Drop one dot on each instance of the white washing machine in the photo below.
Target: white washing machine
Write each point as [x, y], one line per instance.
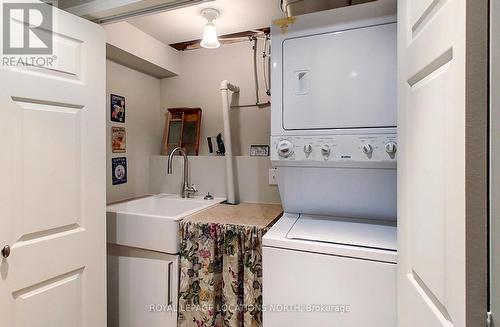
[320, 271]
[331, 259]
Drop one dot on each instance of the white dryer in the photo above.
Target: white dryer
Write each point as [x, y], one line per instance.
[331, 259]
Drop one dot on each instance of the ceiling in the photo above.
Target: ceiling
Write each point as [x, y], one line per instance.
[186, 24]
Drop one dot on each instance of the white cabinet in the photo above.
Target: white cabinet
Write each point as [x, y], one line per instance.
[142, 287]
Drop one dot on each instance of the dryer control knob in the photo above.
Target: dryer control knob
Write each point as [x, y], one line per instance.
[308, 148]
[367, 148]
[285, 148]
[325, 150]
[391, 147]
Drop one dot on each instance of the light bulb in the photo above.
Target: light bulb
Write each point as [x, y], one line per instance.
[210, 40]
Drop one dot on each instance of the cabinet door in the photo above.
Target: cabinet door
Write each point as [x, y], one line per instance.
[142, 288]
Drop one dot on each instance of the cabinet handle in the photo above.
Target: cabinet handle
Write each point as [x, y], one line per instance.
[169, 283]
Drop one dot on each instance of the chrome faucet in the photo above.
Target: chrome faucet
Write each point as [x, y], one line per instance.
[186, 190]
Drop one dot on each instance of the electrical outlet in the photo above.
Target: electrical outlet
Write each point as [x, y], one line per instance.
[273, 178]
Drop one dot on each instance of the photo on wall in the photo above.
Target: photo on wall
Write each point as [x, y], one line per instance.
[119, 170]
[118, 140]
[117, 108]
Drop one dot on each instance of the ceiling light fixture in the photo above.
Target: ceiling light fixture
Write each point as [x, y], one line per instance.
[210, 40]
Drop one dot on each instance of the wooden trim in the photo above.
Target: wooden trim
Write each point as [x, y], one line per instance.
[476, 161]
[181, 143]
[164, 148]
[494, 159]
[198, 134]
[190, 45]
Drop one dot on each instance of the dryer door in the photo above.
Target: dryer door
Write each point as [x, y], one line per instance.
[343, 79]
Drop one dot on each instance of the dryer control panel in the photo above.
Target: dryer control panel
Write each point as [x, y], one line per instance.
[329, 150]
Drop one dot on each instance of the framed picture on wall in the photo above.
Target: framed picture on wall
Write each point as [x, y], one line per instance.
[118, 140]
[119, 170]
[117, 108]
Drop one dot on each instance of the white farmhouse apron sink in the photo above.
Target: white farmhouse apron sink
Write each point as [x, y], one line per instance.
[152, 222]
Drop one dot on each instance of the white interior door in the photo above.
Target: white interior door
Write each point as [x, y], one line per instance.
[442, 189]
[52, 190]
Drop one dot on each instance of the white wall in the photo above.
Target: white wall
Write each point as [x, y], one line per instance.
[198, 86]
[208, 173]
[133, 41]
[144, 127]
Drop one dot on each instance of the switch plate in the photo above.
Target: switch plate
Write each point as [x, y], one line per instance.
[273, 178]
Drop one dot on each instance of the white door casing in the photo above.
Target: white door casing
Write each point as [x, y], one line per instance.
[52, 193]
[494, 163]
[442, 163]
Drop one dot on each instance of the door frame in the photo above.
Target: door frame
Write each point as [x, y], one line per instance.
[494, 160]
[476, 161]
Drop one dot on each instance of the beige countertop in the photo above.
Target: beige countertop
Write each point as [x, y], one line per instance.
[248, 214]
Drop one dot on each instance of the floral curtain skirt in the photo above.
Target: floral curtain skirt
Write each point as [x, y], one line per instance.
[221, 275]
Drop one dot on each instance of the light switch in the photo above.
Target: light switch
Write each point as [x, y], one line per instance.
[273, 180]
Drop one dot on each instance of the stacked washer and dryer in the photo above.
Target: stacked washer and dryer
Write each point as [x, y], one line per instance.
[331, 259]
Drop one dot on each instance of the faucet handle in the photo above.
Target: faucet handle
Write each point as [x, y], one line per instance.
[191, 189]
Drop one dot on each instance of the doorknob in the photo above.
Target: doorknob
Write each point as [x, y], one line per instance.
[6, 251]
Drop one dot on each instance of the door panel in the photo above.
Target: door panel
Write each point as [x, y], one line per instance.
[55, 152]
[427, 219]
[52, 198]
[441, 164]
[60, 296]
